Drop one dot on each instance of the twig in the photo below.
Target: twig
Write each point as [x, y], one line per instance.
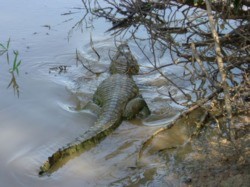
[223, 73]
[183, 114]
[196, 55]
[80, 60]
[93, 48]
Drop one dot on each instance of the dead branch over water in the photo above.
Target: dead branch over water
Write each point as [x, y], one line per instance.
[210, 40]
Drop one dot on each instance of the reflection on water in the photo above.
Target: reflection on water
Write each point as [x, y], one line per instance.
[45, 116]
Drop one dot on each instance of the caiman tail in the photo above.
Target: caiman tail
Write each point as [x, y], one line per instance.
[89, 139]
[117, 97]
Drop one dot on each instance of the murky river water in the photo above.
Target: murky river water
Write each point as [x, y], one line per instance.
[43, 118]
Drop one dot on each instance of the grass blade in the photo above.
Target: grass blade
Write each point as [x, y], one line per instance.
[17, 67]
[8, 44]
[1, 45]
[8, 58]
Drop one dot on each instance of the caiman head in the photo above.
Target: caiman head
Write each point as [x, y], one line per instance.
[124, 62]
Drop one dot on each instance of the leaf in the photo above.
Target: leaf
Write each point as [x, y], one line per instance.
[18, 64]
[1, 45]
[17, 71]
[2, 52]
[15, 63]
[7, 47]
[8, 44]
[15, 59]
[8, 57]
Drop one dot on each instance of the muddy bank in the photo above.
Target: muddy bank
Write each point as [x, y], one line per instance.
[206, 158]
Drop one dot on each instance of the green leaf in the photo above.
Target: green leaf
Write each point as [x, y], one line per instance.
[8, 57]
[18, 64]
[8, 44]
[17, 71]
[1, 45]
[2, 52]
[16, 55]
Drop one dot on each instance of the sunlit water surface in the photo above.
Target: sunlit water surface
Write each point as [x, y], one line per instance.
[44, 117]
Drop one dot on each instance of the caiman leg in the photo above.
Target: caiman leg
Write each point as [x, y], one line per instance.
[92, 107]
[93, 136]
[136, 106]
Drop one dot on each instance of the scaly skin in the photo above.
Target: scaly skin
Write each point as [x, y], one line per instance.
[118, 98]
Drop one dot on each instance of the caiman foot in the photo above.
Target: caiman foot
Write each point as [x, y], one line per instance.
[136, 106]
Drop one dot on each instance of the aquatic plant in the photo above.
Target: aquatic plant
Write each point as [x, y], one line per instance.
[4, 48]
[15, 64]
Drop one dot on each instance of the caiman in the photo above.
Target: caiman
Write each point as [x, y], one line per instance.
[116, 98]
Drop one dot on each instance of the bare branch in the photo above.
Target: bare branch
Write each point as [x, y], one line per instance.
[219, 58]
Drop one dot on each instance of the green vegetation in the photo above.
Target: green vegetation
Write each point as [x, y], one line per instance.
[15, 64]
[4, 49]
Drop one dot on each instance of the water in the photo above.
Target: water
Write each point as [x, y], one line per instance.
[43, 118]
